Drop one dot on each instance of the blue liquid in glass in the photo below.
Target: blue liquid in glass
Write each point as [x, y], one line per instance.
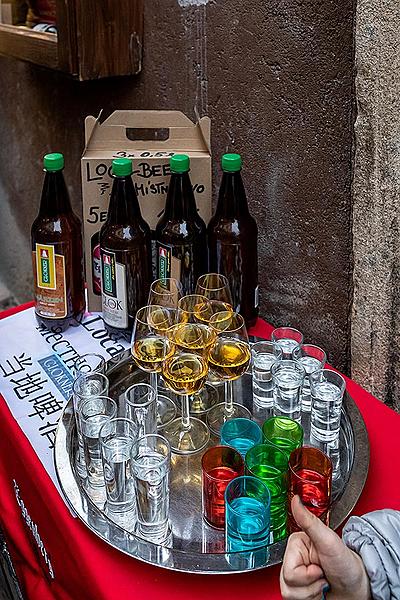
[241, 444]
[247, 524]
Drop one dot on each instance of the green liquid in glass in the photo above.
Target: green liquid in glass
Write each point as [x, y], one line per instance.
[276, 483]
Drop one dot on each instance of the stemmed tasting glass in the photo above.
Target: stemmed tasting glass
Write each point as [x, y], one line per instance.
[150, 347]
[195, 308]
[228, 359]
[184, 372]
[165, 292]
[215, 288]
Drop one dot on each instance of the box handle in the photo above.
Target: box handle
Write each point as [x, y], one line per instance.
[147, 134]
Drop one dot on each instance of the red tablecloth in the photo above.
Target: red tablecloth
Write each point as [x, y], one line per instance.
[85, 567]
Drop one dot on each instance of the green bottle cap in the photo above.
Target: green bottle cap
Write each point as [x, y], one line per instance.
[231, 162]
[122, 167]
[53, 161]
[179, 163]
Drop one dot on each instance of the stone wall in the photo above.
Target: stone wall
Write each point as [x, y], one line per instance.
[277, 80]
[376, 227]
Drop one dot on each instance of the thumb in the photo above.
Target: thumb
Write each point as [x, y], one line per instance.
[319, 534]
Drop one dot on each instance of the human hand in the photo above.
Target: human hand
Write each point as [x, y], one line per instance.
[316, 560]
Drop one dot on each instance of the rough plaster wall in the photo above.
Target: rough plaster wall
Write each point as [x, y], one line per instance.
[276, 78]
[375, 319]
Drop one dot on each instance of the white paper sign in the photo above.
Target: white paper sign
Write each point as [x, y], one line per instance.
[36, 373]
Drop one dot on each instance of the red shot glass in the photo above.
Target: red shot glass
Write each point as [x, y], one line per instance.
[219, 465]
[310, 477]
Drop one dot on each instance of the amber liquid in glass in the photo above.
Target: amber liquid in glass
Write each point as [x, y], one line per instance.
[229, 358]
[185, 372]
[150, 352]
[194, 337]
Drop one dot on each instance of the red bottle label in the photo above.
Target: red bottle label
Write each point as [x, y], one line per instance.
[96, 270]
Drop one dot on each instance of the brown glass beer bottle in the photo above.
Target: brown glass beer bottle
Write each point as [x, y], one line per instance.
[57, 253]
[125, 252]
[181, 235]
[232, 240]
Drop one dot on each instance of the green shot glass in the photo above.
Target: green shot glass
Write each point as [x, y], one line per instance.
[284, 433]
[270, 464]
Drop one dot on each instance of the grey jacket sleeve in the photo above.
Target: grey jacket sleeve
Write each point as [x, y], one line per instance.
[376, 538]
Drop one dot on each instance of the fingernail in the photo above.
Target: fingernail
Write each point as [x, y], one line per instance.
[325, 590]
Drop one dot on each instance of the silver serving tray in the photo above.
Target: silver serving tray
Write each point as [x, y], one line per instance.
[195, 547]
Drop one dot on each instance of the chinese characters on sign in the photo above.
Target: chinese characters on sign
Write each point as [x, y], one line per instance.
[36, 373]
[28, 385]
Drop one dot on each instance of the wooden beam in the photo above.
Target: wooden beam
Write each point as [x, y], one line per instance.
[67, 42]
[33, 46]
[110, 37]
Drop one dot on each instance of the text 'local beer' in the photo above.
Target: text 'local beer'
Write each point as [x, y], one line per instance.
[125, 254]
[57, 253]
[232, 240]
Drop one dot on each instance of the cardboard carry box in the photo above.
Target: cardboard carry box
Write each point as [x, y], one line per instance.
[149, 138]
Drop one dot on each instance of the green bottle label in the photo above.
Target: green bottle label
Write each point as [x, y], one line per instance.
[114, 291]
[170, 259]
[164, 261]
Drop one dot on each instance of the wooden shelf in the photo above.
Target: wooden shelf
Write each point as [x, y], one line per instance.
[96, 39]
[33, 46]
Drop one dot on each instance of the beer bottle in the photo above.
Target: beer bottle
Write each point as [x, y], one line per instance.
[181, 235]
[125, 253]
[57, 253]
[232, 240]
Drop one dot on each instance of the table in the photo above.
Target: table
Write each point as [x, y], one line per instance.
[56, 557]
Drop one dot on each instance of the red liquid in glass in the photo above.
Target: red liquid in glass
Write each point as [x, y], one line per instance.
[214, 486]
[314, 491]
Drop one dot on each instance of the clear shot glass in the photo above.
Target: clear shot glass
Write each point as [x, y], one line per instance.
[151, 465]
[288, 377]
[327, 391]
[86, 386]
[141, 407]
[263, 356]
[117, 437]
[89, 363]
[313, 359]
[93, 414]
[287, 339]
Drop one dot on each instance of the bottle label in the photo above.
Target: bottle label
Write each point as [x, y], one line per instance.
[114, 296]
[96, 270]
[49, 282]
[167, 264]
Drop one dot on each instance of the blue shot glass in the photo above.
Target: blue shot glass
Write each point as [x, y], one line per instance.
[247, 515]
[241, 434]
